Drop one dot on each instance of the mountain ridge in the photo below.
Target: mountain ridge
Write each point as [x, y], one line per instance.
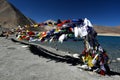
[104, 29]
[10, 16]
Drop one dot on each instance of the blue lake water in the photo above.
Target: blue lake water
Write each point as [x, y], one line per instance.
[110, 43]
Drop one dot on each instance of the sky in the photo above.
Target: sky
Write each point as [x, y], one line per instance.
[99, 12]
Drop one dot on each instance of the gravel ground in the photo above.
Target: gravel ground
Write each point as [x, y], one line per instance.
[18, 62]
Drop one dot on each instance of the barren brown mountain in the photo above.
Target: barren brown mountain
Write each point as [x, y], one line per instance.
[10, 16]
[103, 29]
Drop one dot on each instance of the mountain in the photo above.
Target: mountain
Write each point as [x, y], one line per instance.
[10, 16]
[47, 21]
[118, 27]
[104, 29]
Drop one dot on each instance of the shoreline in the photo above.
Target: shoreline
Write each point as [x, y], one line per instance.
[109, 34]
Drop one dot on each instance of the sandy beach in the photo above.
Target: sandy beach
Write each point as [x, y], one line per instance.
[109, 34]
[20, 62]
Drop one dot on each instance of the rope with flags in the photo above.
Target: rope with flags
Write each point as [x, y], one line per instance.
[93, 55]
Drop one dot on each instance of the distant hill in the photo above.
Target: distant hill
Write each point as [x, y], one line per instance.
[104, 29]
[52, 21]
[11, 17]
[118, 27]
